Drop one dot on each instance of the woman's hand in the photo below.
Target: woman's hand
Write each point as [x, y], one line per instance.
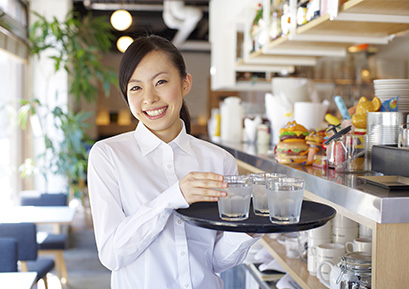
[202, 187]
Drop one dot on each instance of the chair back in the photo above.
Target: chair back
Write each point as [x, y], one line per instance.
[8, 255]
[25, 235]
[46, 199]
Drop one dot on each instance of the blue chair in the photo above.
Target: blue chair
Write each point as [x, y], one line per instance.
[25, 235]
[49, 243]
[58, 199]
[8, 254]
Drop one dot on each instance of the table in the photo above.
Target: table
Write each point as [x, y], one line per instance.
[57, 215]
[18, 280]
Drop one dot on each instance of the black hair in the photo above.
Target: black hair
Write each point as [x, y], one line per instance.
[137, 51]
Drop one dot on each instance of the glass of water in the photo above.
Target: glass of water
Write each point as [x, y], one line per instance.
[285, 197]
[236, 205]
[260, 203]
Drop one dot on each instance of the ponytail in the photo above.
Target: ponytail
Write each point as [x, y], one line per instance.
[185, 116]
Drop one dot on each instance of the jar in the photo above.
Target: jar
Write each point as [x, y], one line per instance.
[355, 271]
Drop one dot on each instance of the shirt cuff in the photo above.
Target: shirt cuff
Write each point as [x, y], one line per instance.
[241, 239]
[172, 198]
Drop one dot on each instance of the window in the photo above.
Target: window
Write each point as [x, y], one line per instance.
[13, 65]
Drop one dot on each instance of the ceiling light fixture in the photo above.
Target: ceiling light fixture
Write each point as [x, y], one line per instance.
[123, 43]
[121, 20]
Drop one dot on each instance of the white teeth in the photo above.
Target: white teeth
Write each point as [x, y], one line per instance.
[155, 112]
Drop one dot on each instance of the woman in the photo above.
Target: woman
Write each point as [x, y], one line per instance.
[137, 179]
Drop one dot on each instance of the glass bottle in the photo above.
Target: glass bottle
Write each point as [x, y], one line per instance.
[355, 271]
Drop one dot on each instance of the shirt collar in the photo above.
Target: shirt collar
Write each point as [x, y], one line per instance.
[148, 141]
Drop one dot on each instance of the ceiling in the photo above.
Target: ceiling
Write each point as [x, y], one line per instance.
[148, 19]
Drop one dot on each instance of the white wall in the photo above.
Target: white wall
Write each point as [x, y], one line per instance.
[198, 65]
[392, 60]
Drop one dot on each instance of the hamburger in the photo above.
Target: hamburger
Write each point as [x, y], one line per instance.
[292, 147]
[314, 140]
[293, 132]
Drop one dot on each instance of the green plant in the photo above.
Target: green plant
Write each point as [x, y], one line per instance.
[64, 155]
[77, 46]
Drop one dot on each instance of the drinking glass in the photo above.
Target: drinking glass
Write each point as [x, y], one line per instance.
[403, 139]
[236, 205]
[260, 203]
[285, 197]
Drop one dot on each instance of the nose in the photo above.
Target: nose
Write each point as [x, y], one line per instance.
[150, 96]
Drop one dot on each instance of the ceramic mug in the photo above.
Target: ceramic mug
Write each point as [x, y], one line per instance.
[365, 231]
[334, 272]
[311, 258]
[342, 221]
[322, 232]
[331, 252]
[359, 245]
[342, 235]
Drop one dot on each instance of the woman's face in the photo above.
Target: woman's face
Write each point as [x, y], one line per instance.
[155, 94]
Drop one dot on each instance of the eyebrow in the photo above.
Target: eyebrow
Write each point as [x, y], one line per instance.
[153, 77]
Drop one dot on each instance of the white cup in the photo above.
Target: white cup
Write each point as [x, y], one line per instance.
[342, 221]
[334, 272]
[359, 245]
[310, 114]
[342, 235]
[292, 248]
[331, 252]
[311, 258]
[322, 232]
[364, 231]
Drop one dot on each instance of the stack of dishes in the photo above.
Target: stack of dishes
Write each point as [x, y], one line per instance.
[386, 89]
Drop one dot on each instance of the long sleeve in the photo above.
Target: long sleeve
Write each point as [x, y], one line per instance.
[133, 182]
[121, 238]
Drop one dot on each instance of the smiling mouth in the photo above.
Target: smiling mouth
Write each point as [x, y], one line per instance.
[156, 112]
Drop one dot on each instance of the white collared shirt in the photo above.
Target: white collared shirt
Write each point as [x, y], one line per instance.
[133, 182]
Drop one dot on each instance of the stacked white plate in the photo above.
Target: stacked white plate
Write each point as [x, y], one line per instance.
[386, 89]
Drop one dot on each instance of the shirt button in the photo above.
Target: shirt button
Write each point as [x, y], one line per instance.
[186, 285]
[179, 222]
[169, 166]
[182, 253]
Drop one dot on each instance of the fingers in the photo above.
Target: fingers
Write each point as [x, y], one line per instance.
[202, 187]
[207, 176]
[208, 180]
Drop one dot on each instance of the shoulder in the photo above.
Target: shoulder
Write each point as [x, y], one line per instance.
[113, 143]
[209, 147]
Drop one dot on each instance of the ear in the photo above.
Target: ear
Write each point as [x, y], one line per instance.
[187, 84]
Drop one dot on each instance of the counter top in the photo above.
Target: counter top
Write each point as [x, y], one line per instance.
[344, 189]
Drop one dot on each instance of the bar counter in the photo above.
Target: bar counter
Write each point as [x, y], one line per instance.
[385, 212]
[343, 189]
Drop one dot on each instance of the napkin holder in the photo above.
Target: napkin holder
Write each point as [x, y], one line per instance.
[390, 160]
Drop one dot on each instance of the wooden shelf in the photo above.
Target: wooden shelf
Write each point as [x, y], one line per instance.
[295, 267]
[358, 22]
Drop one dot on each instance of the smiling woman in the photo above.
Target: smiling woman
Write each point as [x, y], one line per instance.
[155, 94]
[136, 180]
[164, 60]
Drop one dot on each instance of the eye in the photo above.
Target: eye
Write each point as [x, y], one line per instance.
[134, 88]
[161, 82]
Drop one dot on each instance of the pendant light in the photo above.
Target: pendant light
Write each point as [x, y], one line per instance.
[123, 42]
[121, 19]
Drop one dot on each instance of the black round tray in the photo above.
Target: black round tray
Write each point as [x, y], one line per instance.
[206, 215]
